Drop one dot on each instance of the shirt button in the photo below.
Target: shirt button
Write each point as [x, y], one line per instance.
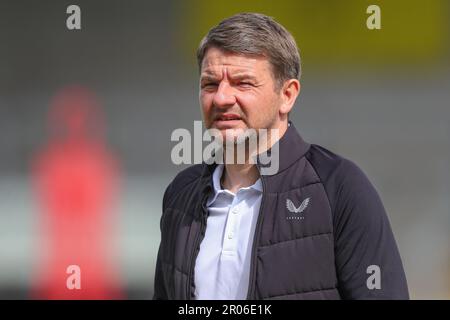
[230, 236]
[235, 211]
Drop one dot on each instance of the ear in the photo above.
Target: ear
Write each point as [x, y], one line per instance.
[289, 93]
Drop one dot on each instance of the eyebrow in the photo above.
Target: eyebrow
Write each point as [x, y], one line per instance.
[243, 76]
[209, 76]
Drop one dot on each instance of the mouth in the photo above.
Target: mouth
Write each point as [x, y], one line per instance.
[228, 117]
[227, 121]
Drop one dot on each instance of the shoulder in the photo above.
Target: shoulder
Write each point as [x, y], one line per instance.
[335, 169]
[183, 180]
[187, 176]
[344, 181]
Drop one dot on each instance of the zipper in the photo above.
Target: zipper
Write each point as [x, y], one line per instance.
[200, 235]
[252, 276]
[198, 238]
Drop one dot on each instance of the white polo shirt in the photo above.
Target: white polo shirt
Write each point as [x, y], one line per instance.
[223, 263]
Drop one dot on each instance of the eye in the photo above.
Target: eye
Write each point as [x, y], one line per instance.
[209, 85]
[245, 84]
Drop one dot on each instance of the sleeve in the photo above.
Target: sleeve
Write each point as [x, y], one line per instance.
[160, 292]
[159, 287]
[368, 262]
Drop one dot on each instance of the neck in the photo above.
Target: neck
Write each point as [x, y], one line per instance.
[236, 176]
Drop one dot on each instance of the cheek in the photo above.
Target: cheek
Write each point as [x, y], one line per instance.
[206, 108]
[257, 107]
[248, 103]
[205, 102]
[272, 103]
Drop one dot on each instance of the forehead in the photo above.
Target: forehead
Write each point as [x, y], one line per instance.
[216, 60]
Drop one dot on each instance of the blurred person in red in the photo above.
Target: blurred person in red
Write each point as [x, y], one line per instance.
[76, 181]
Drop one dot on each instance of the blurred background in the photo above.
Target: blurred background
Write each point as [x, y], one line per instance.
[378, 97]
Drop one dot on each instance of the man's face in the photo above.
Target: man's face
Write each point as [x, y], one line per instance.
[238, 92]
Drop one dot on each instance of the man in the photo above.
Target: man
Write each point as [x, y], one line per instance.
[315, 229]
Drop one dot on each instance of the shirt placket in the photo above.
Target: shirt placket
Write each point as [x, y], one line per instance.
[231, 234]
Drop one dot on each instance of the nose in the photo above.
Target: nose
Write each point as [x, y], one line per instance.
[224, 96]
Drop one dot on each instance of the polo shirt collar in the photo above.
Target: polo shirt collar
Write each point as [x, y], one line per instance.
[217, 174]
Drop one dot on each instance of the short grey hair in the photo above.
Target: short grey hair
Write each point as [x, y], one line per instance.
[258, 35]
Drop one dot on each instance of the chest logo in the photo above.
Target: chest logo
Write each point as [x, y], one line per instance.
[292, 208]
